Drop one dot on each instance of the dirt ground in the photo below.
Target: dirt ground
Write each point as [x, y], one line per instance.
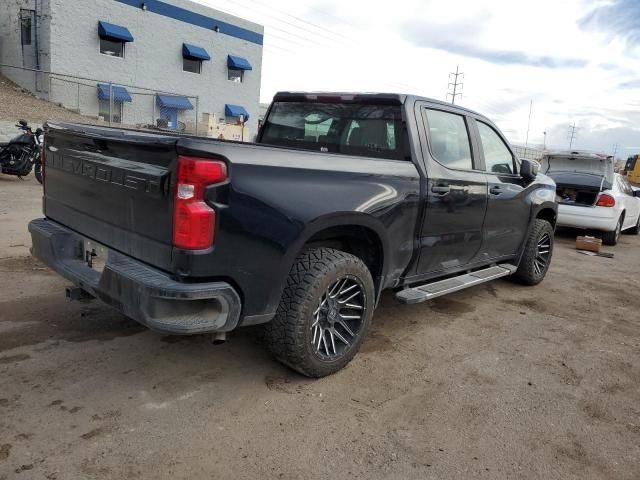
[17, 103]
[499, 381]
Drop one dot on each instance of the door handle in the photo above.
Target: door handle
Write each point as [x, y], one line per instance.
[441, 189]
[495, 190]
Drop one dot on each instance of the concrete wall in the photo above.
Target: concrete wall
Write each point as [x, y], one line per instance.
[153, 60]
[13, 53]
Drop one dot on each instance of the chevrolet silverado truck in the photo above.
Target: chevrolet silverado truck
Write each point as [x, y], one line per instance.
[341, 197]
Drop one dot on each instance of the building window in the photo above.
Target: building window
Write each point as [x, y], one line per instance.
[112, 48]
[237, 67]
[236, 75]
[103, 111]
[191, 65]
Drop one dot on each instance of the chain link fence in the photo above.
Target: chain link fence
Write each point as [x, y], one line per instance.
[108, 103]
[529, 153]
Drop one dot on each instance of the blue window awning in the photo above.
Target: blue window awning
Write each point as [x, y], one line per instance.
[171, 101]
[120, 94]
[235, 111]
[113, 32]
[195, 53]
[238, 63]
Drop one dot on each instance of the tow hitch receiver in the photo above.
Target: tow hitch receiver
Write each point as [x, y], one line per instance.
[77, 293]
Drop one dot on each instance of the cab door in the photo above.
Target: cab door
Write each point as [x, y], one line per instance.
[455, 192]
[508, 210]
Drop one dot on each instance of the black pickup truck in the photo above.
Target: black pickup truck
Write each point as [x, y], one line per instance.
[341, 197]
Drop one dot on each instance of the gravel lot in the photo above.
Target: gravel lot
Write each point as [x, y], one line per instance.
[499, 381]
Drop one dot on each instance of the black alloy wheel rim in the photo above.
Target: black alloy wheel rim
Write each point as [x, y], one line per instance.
[338, 318]
[543, 254]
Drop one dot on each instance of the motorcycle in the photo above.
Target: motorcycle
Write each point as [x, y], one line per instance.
[23, 153]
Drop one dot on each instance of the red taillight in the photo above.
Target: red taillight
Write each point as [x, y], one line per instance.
[193, 220]
[606, 200]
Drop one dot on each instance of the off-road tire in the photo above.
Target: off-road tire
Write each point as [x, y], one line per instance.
[526, 273]
[287, 336]
[611, 238]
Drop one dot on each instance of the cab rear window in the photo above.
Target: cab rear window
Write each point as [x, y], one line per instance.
[354, 129]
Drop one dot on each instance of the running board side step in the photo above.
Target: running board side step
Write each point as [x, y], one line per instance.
[422, 293]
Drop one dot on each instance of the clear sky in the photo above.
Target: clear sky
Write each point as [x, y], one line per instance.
[577, 60]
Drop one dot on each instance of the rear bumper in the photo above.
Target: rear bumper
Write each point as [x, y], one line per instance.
[145, 294]
[596, 218]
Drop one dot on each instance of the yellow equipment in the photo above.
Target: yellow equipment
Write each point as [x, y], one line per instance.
[632, 169]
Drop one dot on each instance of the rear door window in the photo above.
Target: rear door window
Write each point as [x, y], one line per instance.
[625, 186]
[497, 156]
[449, 139]
[356, 129]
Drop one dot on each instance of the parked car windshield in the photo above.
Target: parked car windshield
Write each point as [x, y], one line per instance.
[353, 129]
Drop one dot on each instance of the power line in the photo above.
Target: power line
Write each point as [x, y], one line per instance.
[455, 84]
[319, 40]
[309, 41]
[319, 27]
[526, 142]
[279, 44]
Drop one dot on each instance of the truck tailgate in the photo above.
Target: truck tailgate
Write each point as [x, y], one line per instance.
[112, 186]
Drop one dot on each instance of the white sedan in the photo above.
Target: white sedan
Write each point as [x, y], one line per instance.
[591, 196]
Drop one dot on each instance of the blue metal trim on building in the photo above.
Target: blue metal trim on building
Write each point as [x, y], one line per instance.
[114, 32]
[235, 111]
[238, 63]
[171, 101]
[120, 94]
[187, 16]
[195, 53]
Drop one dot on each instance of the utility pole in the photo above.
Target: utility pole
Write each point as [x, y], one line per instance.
[544, 144]
[526, 142]
[572, 134]
[455, 84]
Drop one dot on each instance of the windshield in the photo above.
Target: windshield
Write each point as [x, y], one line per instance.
[353, 129]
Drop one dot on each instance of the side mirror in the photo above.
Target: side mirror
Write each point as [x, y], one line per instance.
[22, 122]
[529, 169]
[636, 192]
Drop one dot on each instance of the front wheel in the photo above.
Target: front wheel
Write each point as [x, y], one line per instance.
[537, 254]
[324, 313]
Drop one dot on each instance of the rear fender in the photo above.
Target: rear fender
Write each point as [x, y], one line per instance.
[312, 228]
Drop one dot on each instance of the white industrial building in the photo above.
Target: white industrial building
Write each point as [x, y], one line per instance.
[146, 62]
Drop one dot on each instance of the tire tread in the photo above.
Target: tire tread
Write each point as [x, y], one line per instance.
[285, 334]
[526, 271]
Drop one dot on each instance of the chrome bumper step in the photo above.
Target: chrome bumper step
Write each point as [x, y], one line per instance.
[428, 291]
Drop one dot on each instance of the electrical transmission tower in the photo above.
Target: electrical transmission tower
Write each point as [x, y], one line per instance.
[572, 134]
[456, 84]
[615, 150]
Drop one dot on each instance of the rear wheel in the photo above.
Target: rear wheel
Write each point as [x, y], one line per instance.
[537, 254]
[611, 238]
[37, 172]
[324, 313]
